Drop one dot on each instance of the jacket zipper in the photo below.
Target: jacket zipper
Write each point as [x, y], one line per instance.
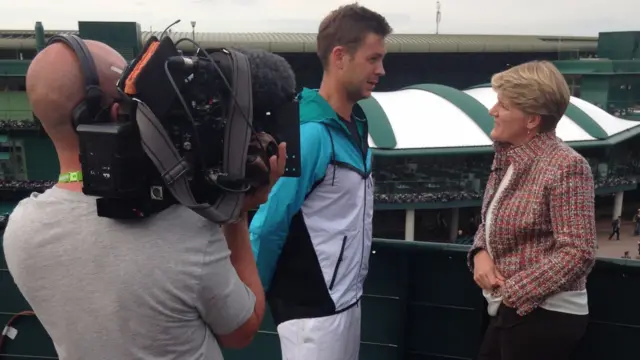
[361, 147]
[364, 209]
[364, 221]
[335, 271]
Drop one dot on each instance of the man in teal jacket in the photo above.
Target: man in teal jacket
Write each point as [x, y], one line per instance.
[312, 239]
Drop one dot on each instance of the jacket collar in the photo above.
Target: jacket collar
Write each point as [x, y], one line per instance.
[520, 154]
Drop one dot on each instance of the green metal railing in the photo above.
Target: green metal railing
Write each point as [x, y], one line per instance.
[420, 303]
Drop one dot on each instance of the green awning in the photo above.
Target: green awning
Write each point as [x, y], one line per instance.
[5, 156]
[4, 138]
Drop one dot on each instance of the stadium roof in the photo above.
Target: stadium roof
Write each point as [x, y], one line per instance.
[306, 42]
[436, 119]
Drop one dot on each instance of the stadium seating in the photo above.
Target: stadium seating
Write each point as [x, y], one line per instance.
[24, 124]
[423, 179]
[446, 179]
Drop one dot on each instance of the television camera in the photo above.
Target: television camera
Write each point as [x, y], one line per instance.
[195, 130]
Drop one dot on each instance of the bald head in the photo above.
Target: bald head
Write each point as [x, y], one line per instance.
[55, 86]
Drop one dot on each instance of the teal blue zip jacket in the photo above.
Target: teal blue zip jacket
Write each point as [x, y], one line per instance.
[311, 239]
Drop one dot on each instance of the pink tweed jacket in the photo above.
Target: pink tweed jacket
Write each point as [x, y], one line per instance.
[543, 233]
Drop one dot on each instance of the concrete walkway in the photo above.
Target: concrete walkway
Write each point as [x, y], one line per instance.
[615, 249]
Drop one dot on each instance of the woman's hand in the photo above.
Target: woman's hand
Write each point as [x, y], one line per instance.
[485, 273]
[507, 304]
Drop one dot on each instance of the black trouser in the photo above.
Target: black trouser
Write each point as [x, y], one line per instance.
[615, 232]
[539, 335]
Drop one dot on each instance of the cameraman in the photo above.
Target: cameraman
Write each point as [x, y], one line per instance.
[165, 287]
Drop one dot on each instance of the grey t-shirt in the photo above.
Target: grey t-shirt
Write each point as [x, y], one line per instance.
[112, 289]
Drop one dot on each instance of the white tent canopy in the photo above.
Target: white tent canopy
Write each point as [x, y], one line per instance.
[439, 117]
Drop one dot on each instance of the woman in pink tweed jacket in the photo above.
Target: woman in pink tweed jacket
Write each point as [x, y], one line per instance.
[537, 241]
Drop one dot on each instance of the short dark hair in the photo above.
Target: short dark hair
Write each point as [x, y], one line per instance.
[347, 26]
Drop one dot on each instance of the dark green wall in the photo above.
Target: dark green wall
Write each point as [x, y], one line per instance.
[420, 304]
[41, 157]
[14, 67]
[595, 89]
[122, 36]
[14, 105]
[620, 45]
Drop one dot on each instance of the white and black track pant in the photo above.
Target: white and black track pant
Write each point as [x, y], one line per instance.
[334, 337]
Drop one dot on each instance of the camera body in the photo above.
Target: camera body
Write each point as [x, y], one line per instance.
[185, 133]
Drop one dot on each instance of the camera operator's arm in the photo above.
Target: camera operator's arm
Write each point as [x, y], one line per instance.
[237, 236]
[270, 224]
[232, 296]
[227, 298]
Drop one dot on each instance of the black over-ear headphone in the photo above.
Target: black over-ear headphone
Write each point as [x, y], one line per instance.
[89, 108]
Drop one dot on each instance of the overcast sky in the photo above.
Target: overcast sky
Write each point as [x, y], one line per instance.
[538, 17]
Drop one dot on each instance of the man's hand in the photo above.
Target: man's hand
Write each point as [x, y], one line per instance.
[485, 273]
[261, 195]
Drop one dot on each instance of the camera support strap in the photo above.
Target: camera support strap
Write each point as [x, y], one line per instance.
[173, 168]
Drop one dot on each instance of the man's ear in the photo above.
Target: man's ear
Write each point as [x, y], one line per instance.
[338, 56]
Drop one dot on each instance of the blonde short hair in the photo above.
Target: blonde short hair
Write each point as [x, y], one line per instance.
[536, 88]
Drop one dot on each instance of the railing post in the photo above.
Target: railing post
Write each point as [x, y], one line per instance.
[39, 36]
[410, 224]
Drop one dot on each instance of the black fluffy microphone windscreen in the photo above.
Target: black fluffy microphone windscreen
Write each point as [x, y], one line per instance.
[273, 81]
[273, 85]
